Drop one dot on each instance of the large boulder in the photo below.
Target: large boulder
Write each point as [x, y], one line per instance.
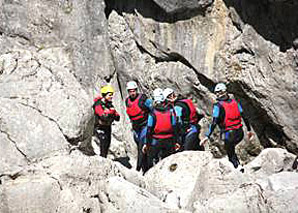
[30, 194]
[66, 183]
[198, 183]
[42, 82]
[119, 195]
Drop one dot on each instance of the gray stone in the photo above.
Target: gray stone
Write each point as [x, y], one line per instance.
[12, 160]
[30, 194]
[182, 171]
[175, 6]
[77, 26]
[271, 161]
[34, 135]
[283, 193]
[118, 195]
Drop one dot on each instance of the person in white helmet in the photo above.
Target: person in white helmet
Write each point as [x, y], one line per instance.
[161, 130]
[138, 107]
[187, 118]
[227, 113]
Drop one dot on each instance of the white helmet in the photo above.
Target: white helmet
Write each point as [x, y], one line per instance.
[220, 87]
[167, 92]
[131, 85]
[158, 95]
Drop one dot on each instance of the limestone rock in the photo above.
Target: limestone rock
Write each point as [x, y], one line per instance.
[175, 6]
[283, 193]
[30, 194]
[118, 195]
[76, 26]
[181, 171]
[33, 135]
[12, 160]
[271, 161]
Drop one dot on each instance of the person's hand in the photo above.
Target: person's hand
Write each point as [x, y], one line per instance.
[250, 135]
[202, 142]
[112, 111]
[145, 148]
[177, 146]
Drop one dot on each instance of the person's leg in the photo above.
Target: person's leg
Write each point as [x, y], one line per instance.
[136, 136]
[143, 160]
[229, 141]
[191, 141]
[239, 134]
[104, 136]
[167, 147]
[152, 154]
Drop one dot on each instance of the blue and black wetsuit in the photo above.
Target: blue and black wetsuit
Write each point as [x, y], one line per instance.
[227, 114]
[138, 109]
[161, 133]
[189, 129]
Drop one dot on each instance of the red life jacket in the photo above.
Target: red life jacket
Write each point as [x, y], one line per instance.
[133, 109]
[232, 115]
[193, 118]
[163, 125]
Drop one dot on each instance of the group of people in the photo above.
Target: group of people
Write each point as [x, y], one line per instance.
[168, 123]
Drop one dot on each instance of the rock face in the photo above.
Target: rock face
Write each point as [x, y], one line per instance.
[78, 27]
[226, 43]
[54, 52]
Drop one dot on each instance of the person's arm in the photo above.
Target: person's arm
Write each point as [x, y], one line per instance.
[215, 120]
[178, 111]
[116, 116]
[174, 123]
[244, 117]
[176, 129]
[107, 114]
[147, 103]
[148, 138]
[150, 126]
[246, 122]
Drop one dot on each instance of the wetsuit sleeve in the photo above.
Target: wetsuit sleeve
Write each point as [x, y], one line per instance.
[149, 104]
[174, 124]
[215, 120]
[244, 117]
[107, 114]
[178, 111]
[116, 116]
[150, 126]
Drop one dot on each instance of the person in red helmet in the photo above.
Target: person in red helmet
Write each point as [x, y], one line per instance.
[105, 114]
[227, 113]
